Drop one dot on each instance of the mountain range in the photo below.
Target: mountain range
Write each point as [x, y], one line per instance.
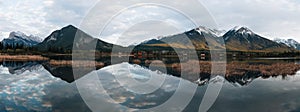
[201, 38]
[289, 42]
[243, 39]
[236, 39]
[20, 39]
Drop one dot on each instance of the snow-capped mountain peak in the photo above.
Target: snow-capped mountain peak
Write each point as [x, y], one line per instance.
[18, 35]
[19, 38]
[35, 38]
[289, 42]
[202, 29]
[242, 30]
[239, 31]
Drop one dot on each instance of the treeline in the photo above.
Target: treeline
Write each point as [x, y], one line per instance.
[15, 48]
[59, 50]
[24, 49]
[263, 54]
[147, 50]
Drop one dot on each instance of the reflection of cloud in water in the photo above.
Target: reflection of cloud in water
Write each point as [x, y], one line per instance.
[4, 70]
[35, 91]
[38, 90]
[23, 92]
[273, 94]
[126, 98]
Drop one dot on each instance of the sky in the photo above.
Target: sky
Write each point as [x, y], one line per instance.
[269, 18]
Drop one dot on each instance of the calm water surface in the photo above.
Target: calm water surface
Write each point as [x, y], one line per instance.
[36, 86]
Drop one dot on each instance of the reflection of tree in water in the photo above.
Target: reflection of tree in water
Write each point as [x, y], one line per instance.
[237, 72]
[18, 67]
[59, 95]
[241, 73]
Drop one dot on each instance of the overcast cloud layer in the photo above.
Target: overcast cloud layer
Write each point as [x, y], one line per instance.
[270, 18]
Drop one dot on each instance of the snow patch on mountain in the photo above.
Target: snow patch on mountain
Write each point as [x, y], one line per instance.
[242, 30]
[245, 32]
[202, 29]
[289, 42]
[20, 38]
[52, 38]
[18, 34]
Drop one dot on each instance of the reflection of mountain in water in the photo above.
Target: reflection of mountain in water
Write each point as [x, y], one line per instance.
[239, 75]
[65, 72]
[33, 89]
[20, 67]
[243, 80]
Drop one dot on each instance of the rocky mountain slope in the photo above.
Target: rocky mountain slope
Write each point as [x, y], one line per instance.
[20, 39]
[69, 38]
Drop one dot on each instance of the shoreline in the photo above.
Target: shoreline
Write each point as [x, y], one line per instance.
[6, 57]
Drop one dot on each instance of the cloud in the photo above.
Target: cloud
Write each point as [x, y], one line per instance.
[139, 32]
[134, 12]
[271, 18]
[40, 17]
[142, 23]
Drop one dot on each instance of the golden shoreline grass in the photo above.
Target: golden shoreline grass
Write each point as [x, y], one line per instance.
[22, 58]
[239, 69]
[77, 63]
[232, 68]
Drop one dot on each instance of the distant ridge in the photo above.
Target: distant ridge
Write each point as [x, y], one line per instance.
[21, 39]
[201, 38]
[243, 39]
[289, 42]
[236, 39]
[63, 40]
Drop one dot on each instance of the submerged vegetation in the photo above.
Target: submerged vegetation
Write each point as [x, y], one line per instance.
[238, 68]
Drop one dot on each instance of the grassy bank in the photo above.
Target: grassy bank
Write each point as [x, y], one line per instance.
[238, 69]
[5, 57]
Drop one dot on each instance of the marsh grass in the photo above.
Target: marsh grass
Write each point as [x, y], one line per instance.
[77, 63]
[22, 58]
[238, 69]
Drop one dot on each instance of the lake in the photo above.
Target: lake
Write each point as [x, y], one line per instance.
[248, 85]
